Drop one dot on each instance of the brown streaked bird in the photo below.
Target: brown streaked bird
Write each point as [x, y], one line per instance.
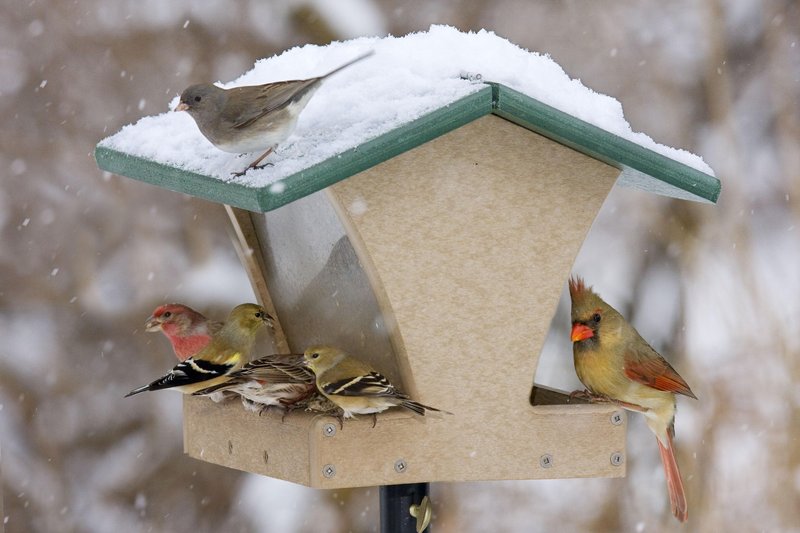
[252, 118]
[273, 380]
[228, 350]
[616, 364]
[355, 386]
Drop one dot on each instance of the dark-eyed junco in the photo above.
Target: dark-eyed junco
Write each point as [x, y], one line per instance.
[252, 118]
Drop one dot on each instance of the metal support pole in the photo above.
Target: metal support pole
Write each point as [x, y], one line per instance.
[396, 502]
[2, 515]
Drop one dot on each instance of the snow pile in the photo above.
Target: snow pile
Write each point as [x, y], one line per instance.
[407, 78]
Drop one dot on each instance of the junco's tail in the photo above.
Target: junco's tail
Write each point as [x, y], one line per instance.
[355, 60]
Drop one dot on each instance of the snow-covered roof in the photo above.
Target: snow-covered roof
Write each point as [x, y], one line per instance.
[413, 89]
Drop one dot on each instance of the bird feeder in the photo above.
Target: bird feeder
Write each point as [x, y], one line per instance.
[437, 252]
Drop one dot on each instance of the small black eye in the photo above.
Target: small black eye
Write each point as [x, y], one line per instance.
[167, 314]
[259, 314]
[596, 317]
[314, 355]
[198, 98]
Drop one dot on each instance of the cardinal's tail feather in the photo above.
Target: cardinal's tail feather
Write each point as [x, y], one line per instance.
[677, 496]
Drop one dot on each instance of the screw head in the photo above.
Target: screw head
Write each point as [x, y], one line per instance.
[617, 418]
[617, 459]
[328, 471]
[546, 460]
[329, 430]
[400, 466]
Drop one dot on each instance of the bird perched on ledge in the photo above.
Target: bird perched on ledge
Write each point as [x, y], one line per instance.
[251, 118]
[228, 350]
[274, 380]
[187, 330]
[616, 364]
[355, 386]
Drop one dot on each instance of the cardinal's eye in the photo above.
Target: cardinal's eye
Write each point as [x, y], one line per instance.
[167, 314]
[198, 98]
[596, 317]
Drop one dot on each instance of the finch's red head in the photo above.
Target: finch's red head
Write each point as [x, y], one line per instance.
[171, 314]
[187, 330]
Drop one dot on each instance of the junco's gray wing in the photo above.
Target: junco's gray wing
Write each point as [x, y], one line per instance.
[249, 104]
[246, 105]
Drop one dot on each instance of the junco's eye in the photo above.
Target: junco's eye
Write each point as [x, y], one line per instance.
[596, 317]
[198, 98]
[167, 314]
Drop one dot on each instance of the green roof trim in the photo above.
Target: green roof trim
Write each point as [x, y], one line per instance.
[175, 179]
[641, 168]
[312, 179]
[637, 162]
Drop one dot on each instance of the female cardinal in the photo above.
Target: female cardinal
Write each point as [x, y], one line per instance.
[616, 364]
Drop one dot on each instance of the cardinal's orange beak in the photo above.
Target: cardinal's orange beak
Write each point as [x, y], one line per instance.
[181, 107]
[581, 332]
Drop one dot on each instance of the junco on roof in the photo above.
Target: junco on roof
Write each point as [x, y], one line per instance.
[252, 118]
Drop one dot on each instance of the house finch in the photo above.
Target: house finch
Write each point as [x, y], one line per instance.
[227, 352]
[616, 364]
[354, 385]
[187, 330]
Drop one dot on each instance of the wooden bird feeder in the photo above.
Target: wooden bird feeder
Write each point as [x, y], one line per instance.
[437, 252]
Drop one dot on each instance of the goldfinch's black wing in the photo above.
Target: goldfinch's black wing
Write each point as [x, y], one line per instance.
[372, 384]
[187, 372]
[420, 408]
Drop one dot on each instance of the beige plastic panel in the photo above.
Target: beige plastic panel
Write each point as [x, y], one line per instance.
[579, 439]
[467, 242]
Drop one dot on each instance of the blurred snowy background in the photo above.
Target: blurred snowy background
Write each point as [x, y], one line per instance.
[85, 257]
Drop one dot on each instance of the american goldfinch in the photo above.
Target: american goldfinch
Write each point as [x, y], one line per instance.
[227, 352]
[187, 330]
[274, 380]
[616, 364]
[355, 386]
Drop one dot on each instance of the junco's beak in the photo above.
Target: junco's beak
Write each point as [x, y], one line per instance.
[181, 107]
[152, 324]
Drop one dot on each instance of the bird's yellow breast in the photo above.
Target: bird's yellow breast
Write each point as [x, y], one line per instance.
[603, 372]
[599, 372]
